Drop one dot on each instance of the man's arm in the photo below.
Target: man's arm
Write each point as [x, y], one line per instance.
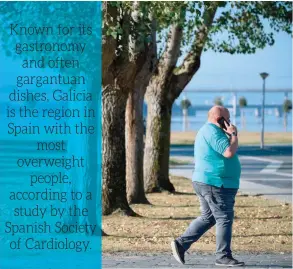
[232, 149]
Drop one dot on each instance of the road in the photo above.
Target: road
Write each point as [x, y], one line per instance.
[195, 260]
[265, 172]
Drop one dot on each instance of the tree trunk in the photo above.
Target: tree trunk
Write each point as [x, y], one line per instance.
[120, 68]
[135, 147]
[157, 147]
[135, 126]
[135, 130]
[114, 163]
[165, 86]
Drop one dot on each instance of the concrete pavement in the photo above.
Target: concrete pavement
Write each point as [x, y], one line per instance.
[195, 260]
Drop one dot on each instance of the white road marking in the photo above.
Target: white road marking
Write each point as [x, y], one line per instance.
[275, 174]
[259, 159]
[271, 168]
[282, 174]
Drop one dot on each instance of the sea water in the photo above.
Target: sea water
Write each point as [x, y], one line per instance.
[273, 122]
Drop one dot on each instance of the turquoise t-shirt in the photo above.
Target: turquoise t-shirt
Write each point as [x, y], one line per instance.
[211, 167]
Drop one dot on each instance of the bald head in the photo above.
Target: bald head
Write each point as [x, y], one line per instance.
[217, 112]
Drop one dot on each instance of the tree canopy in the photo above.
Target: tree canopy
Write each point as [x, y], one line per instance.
[242, 102]
[185, 104]
[287, 106]
[218, 101]
[238, 26]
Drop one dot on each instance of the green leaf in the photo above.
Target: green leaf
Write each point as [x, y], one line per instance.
[114, 34]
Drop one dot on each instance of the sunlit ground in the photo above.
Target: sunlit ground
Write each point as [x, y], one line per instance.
[260, 225]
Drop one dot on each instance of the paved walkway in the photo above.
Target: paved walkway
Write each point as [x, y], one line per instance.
[132, 260]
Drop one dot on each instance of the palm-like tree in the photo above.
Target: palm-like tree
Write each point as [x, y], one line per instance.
[287, 107]
[218, 101]
[242, 105]
[185, 104]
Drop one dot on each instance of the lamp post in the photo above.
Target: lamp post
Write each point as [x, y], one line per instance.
[263, 76]
[234, 104]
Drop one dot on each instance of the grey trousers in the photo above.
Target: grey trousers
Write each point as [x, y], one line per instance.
[217, 207]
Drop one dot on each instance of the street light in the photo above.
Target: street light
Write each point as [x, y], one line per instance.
[263, 76]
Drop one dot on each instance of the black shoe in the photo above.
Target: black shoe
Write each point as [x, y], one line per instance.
[178, 252]
[229, 262]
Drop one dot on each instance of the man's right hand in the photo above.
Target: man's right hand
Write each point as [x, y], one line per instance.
[230, 129]
[231, 150]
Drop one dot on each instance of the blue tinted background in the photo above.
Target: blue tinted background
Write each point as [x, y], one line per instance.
[13, 178]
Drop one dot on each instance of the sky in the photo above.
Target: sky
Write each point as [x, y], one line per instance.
[219, 70]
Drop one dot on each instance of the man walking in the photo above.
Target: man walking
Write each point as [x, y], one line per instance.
[216, 182]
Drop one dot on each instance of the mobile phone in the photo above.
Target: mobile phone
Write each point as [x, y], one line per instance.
[222, 121]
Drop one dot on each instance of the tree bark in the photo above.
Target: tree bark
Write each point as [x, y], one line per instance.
[156, 158]
[135, 126]
[157, 147]
[120, 67]
[114, 163]
[135, 147]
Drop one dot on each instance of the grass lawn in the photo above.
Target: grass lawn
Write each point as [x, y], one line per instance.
[245, 138]
[260, 225]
